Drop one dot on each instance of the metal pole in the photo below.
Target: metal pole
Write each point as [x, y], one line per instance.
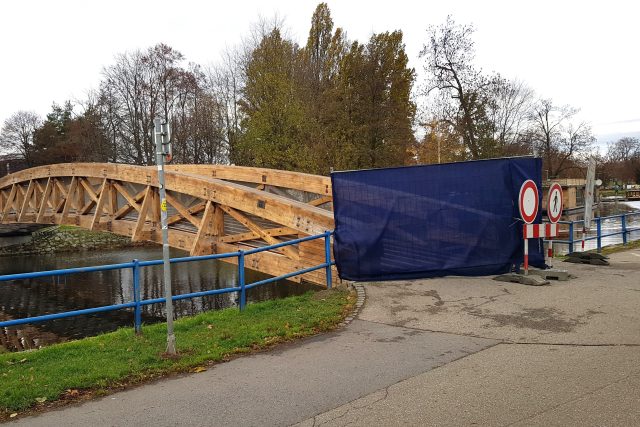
[162, 138]
[243, 291]
[137, 311]
[327, 254]
[599, 231]
[571, 249]
[624, 229]
[526, 257]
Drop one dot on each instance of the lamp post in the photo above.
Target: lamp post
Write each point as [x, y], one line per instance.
[162, 137]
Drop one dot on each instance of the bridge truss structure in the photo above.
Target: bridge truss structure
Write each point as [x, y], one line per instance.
[211, 208]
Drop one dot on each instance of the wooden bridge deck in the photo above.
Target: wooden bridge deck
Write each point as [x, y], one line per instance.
[211, 208]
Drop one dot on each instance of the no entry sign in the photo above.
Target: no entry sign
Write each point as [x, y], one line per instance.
[528, 201]
[554, 203]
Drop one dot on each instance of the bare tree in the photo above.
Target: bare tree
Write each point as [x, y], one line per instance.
[465, 89]
[510, 111]
[226, 82]
[17, 133]
[558, 137]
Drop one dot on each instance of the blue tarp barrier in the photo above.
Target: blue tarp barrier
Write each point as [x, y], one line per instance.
[433, 220]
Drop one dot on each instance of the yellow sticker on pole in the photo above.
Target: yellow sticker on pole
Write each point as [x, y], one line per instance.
[163, 205]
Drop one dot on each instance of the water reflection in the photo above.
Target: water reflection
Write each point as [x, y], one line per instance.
[24, 298]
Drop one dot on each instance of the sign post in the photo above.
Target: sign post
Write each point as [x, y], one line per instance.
[554, 212]
[163, 149]
[528, 203]
[588, 197]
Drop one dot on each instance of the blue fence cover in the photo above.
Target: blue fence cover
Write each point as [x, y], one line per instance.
[433, 220]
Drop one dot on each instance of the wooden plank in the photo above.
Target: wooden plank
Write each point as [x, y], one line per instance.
[155, 206]
[10, 200]
[204, 230]
[102, 200]
[321, 201]
[124, 210]
[89, 188]
[113, 200]
[280, 231]
[184, 211]
[132, 201]
[69, 199]
[26, 201]
[44, 202]
[278, 178]
[288, 250]
[192, 210]
[218, 222]
[142, 214]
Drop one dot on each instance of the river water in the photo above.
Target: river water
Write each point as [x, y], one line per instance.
[25, 298]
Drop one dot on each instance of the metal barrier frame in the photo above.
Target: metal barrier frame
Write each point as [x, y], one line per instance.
[136, 265]
[624, 230]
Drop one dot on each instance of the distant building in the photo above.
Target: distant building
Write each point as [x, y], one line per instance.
[10, 163]
[572, 192]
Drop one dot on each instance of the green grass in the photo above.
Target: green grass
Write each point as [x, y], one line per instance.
[116, 359]
[608, 250]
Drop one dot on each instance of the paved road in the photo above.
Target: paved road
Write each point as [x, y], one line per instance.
[279, 387]
[449, 351]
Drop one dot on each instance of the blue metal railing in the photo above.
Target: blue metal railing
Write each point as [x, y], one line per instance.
[137, 265]
[624, 230]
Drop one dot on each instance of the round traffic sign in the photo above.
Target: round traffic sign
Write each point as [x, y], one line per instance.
[528, 201]
[554, 203]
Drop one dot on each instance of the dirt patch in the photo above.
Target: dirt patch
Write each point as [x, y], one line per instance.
[395, 309]
[434, 294]
[539, 319]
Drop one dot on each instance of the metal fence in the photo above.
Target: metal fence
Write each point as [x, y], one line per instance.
[609, 230]
[137, 265]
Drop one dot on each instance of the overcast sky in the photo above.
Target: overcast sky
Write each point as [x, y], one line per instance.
[580, 53]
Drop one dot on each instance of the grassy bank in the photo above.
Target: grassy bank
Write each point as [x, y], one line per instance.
[67, 238]
[93, 366]
[608, 250]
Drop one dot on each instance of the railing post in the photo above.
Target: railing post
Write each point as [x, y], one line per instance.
[624, 229]
[243, 291]
[571, 248]
[599, 231]
[137, 311]
[327, 253]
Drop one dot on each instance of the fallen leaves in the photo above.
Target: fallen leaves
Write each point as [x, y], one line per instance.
[72, 392]
[41, 399]
[199, 369]
[15, 414]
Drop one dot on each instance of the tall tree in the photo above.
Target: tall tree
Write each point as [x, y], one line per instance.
[17, 133]
[274, 117]
[465, 90]
[375, 89]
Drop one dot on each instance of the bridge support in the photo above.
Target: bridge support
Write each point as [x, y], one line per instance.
[211, 208]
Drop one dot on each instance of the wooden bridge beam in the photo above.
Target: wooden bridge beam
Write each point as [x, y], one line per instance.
[109, 196]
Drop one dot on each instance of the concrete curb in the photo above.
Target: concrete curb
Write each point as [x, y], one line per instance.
[361, 295]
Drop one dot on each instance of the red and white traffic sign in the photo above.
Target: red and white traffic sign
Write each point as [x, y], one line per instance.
[539, 231]
[554, 203]
[528, 201]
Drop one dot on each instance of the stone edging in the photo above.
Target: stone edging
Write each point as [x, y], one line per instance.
[361, 295]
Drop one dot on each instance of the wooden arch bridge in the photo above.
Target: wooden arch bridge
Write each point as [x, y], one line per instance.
[211, 208]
